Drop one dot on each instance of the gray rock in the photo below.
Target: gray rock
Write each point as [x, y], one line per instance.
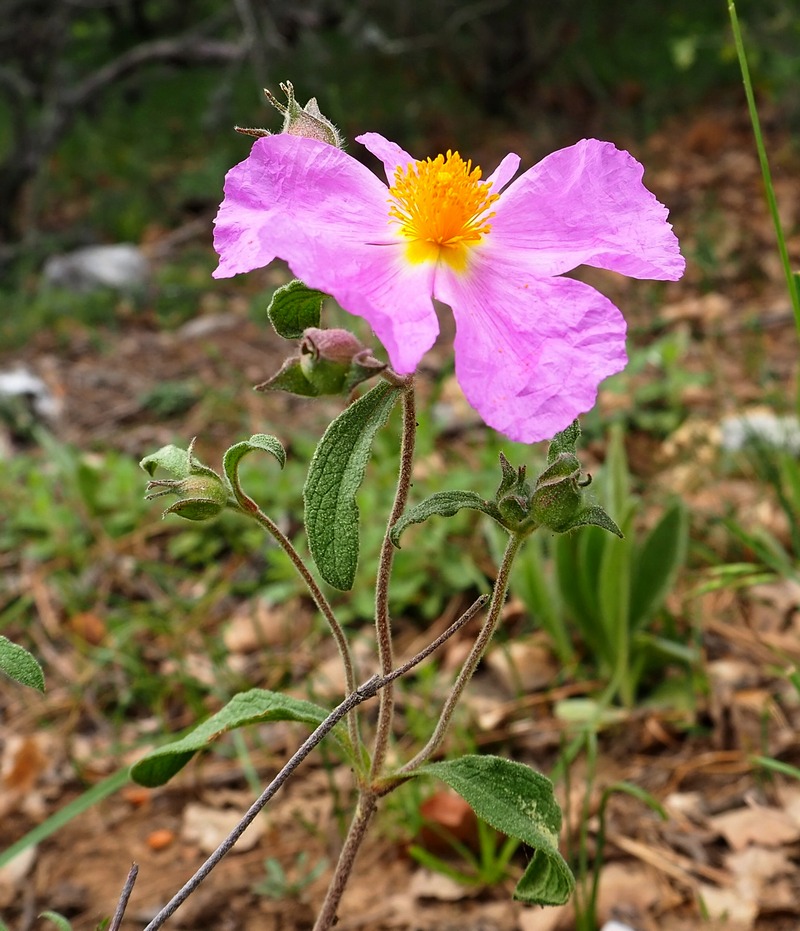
[20, 384]
[122, 267]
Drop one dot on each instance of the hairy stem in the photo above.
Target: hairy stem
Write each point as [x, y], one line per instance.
[474, 658]
[383, 624]
[368, 690]
[124, 896]
[367, 805]
[322, 603]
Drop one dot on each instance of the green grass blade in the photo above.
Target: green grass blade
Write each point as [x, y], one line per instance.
[791, 282]
[64, 815]
[777, 766]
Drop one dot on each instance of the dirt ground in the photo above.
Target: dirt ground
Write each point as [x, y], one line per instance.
[728, 855]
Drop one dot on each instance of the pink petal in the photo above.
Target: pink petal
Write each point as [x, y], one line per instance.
[586, 205]
[530, 353]
[390, 153]
[504, 172]
[327, 216]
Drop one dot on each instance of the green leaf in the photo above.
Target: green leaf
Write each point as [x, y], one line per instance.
[564, 442]
[253, 707]
[616, 477]
[58, 920]
[20, 665]
[178, 462]
[593, 516]
[661, 556]
[170, 458]
[294, 308]
[777, 766]
[514, 799]
[290, 378]
[234, 455]
[334, 476]
[443, 504]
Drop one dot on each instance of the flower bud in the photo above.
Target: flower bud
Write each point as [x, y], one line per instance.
[558, 495]
[305, 121]
[329, 362]
[330, 345]
[200, 491]
[200, 497]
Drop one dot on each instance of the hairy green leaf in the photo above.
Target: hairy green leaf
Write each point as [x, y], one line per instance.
[294, 308]
[234, 455]
[514, 799]
[595, 516]
[443, 504]
[20, 665]
[564, 442]
[170, 458]
[253, 707]
[334, 477]
[290, 378]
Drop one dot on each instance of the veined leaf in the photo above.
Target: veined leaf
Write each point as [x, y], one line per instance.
[334, 477]
[294, 308]
[443, 504]
[514, 799]
[253, 707]
[20, 665]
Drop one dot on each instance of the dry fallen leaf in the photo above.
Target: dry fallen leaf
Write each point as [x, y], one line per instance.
[208, 827]
[425, 884]
[160, 839]
[262, 624]
[738, 912]
[447, 815]
[524, 665]
[766, 827]
[13, 874]
[557, 918]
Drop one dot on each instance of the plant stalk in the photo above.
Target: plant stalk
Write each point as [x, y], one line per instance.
[474, 658]
[367, 805]
[364, 692]
[383, 623]
[322, 604]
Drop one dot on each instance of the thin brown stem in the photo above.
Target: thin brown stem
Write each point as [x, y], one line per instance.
[124, 896]
[383, 623]
[367, 805]
[319, 600]
[472, 661]
[364, 692]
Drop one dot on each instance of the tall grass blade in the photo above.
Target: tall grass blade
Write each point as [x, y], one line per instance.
[791, 281]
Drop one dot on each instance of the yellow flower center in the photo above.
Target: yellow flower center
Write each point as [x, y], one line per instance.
[442, 207]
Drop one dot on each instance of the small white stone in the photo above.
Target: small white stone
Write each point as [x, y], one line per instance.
[121, 267]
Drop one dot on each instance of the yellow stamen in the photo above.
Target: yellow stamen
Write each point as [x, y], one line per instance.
[442, 206]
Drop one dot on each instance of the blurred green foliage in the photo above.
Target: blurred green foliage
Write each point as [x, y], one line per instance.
[602, 599]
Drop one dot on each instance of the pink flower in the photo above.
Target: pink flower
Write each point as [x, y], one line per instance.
[531, 346]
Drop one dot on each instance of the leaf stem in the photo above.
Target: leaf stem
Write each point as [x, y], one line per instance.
[383, 624]
[322, 604]
[368, 798]
[474, 658]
